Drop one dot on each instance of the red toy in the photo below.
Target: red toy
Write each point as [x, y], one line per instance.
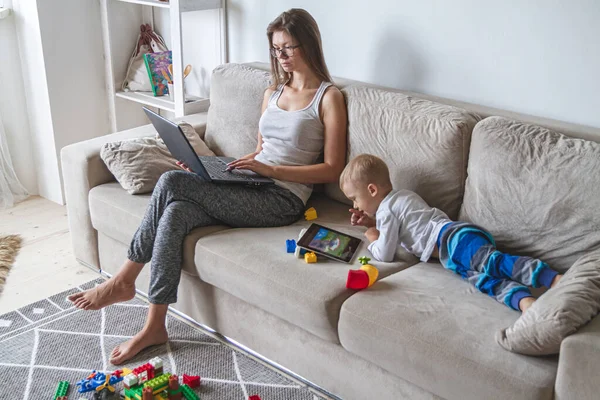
[192, 381]
[357, 279]
[255, 397]
[147, 394]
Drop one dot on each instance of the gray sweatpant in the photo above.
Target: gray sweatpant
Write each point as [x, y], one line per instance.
[183, 201]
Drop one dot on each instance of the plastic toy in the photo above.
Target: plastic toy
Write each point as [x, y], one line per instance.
[192, 381]
[364, 277]
[310, 214]
[97, 380]
[188, 393]
[300, 252]
[61, 390]
[255, 397]
[290, 245]
[310, 257]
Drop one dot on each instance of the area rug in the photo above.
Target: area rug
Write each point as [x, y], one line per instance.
[51, 341]
[9, 248]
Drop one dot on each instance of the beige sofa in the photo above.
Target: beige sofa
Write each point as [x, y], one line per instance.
[420, 332]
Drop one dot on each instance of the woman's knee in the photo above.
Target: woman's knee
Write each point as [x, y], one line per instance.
[171, 179]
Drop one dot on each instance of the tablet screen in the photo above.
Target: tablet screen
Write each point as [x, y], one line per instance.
[329, 242]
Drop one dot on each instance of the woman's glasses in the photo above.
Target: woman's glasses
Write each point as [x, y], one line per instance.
[287, 51]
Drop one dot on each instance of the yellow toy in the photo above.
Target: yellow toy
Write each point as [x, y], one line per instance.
[364, 277]
[310, 257]
[310, 214]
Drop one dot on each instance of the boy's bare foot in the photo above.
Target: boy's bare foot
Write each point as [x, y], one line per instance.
[146, 338]
[555, 281]
[525, 303]
[109, 292]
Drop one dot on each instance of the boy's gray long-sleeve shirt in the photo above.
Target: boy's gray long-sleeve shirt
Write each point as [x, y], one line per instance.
[404, 218]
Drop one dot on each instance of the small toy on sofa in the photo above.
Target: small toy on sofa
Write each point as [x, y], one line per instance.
[364, 277]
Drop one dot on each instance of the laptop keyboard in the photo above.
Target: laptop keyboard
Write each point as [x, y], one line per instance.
[216, 168]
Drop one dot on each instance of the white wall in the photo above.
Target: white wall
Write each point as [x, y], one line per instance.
[38, 101]
[537, 57]
[61, 55]
[13, 106]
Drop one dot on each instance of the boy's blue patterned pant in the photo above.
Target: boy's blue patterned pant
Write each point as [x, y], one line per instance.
[471, 252]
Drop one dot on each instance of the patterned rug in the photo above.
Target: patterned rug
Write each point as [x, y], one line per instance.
[51, 341]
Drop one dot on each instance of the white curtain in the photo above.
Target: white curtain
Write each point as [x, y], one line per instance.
[11, 190]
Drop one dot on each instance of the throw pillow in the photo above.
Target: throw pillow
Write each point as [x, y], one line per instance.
[561, 311]
[137, 164]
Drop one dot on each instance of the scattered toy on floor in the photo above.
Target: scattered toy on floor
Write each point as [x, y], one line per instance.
[192, 381]
[61, 390]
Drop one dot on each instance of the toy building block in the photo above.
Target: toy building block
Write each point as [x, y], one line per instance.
[157, 363]
[147, 394]
[300, 252]
[310, 214]
[62, 398]
[174, 391]
[290, 245]
[144, 372]
[192, 381]
[188, 393]
[158, 384]
[254, 397]
[130, 380]
[310, 257]
[61, 390]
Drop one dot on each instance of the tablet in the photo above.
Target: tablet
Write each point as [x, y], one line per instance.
[329, 243]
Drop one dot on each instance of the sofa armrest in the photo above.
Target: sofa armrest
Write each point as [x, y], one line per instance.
[83, 169]
[579, 363]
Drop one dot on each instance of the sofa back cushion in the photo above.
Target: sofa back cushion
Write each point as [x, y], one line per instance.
[236, 96]
[424, 143]
[537, 191]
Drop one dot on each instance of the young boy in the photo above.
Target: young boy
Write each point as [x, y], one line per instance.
[401, 217]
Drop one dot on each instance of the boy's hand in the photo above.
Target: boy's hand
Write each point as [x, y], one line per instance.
[372, 234]
[360, 218]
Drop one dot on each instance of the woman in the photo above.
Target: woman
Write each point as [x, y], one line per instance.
[303, 122]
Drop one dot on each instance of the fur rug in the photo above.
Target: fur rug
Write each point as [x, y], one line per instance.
[9, 248]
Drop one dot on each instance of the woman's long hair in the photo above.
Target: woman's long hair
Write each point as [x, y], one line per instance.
[300, 25]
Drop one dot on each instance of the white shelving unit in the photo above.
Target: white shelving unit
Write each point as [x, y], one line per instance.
[113, 20]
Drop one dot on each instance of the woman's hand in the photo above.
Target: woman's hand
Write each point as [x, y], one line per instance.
[372, 234]
[183, 166]
[360, 218]
[252, 165]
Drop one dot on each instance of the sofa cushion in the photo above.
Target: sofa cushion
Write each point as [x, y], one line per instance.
[118, 214]
[428, 326]
[425, 144]
[137, 164]
[537, 191]
[571, 304]
[236, 96]
[252, 264]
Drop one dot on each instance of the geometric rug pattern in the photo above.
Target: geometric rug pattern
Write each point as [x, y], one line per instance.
[50, 341]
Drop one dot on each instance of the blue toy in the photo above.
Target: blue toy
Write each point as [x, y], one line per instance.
[95, 380]
[290, 245]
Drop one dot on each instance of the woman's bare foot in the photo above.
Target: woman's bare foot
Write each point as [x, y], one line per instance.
[555, 281]
[146, 338]
[112, 291]
[525, 303]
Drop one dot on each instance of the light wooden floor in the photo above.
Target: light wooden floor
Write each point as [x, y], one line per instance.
[45, 265]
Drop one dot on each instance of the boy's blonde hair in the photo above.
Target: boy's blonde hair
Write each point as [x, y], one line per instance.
[366, 169]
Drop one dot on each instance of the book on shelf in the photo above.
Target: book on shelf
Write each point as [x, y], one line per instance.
[157, 65]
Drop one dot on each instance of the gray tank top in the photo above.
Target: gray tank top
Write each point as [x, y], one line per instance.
[292, 137]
